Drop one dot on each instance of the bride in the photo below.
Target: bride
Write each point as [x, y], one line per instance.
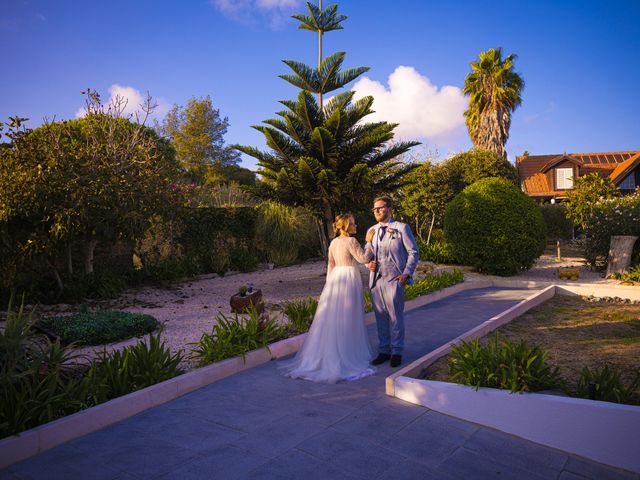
[337, 346]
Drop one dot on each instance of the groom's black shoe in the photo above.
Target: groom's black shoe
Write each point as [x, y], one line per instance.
[396, 360]
[380, 359]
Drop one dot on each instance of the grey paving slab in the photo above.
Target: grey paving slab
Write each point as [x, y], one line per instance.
[281, 435]
[380, 419]
[259, 424]
[465, 464]
[517, 453]
[596, 471]
[352, 453]
[63, 463]
[430, 439]
[411, 470]
[570, 476]
[228, 462]
[298, 465]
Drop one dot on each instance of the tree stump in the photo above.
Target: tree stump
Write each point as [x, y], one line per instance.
[620, 251]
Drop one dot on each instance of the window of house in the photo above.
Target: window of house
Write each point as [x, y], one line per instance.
[564, 178]
[629, 182]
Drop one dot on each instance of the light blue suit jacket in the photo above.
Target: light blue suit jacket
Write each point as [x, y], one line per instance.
[397, 250]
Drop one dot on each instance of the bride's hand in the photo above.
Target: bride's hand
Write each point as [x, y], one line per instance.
[370, 234]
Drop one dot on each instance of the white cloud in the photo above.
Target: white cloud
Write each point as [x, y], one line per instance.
[131, 102]
[423, 110]
[249, 11]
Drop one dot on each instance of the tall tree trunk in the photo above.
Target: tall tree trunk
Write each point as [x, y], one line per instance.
[322, 236]
[88, 250]
[69, 260]
[326, 229]
[58, 280]
[433, 221]
[320, 57]
[54, 273]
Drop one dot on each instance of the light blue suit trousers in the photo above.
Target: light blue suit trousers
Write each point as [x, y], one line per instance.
[396, 253]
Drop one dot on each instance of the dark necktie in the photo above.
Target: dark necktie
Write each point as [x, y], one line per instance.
[383, 230]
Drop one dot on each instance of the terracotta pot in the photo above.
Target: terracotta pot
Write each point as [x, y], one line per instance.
[240, 304]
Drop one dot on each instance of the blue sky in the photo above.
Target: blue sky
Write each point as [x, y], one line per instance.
[580, 61]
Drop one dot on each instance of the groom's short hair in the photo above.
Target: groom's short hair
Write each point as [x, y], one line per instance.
[387, 201]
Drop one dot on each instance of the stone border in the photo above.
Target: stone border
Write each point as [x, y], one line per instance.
[605, 432]
[49, 435]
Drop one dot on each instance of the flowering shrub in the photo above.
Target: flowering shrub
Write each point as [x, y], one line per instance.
[613, 216]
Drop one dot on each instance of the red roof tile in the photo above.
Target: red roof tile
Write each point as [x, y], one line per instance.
[535, 183]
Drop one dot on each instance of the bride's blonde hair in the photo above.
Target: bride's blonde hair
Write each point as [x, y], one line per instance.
[341, 225]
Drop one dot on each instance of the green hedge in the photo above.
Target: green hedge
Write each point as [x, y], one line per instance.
[211, 235]
[493, 226]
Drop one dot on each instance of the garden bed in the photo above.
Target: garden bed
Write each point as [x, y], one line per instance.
[576, 332]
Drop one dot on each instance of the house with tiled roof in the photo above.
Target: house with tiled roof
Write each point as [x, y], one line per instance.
[547, 177]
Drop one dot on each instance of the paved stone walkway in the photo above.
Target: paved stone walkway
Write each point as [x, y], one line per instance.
[260, 425]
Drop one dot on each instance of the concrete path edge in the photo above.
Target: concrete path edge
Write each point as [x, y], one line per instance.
[605, 432]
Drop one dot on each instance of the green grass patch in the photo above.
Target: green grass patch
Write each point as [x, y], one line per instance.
[99, 326]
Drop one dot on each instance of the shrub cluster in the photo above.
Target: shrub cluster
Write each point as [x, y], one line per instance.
[300, 313]
[42, 380]
[606, 384]
[428, 284]
[133, 368]
[432, 283]
[237, 336]
[99, 326]
[503, 364]
[518, 367]
[437, 251]
[495, 227]
[558, 225]
[613, 216]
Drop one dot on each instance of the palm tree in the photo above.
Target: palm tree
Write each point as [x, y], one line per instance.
[495, 91]
[323, 156]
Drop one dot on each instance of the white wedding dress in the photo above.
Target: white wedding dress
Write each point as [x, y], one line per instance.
[337, 346]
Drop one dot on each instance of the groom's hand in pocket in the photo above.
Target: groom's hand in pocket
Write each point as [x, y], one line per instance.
[403, 279]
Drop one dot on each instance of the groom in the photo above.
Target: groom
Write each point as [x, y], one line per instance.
[395, 259]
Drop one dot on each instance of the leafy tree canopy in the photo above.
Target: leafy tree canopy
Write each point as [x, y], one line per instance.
[98, 178]
[197, 132]
[433, 185]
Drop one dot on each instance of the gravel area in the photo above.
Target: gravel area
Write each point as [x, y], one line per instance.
[189, 308]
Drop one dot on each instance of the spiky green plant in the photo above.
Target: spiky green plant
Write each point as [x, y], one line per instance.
[323, 156]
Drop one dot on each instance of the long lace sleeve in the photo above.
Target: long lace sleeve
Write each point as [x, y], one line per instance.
[361, 256]
[332, 261]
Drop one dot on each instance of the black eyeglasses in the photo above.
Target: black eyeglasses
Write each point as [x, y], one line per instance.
[377, 209]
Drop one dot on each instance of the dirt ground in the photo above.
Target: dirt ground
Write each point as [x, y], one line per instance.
[189, 308]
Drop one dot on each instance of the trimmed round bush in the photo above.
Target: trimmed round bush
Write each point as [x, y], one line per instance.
[100, 326]
[495, 227]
